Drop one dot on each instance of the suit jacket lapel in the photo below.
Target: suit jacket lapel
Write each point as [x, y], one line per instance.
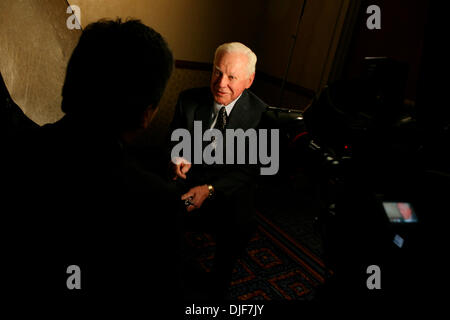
[241, 116]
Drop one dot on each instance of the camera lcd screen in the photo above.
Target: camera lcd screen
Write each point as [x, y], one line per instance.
[400, 212]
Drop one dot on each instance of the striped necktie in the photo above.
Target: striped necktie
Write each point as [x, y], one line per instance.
[222, 120]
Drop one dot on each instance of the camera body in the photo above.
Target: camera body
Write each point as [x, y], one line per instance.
[363, 149]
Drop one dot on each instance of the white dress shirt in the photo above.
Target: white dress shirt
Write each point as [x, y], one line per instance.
[217, 107]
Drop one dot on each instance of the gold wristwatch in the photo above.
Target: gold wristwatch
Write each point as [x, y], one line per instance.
[211, 191]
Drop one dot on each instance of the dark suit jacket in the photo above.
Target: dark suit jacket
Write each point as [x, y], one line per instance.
[248, 112]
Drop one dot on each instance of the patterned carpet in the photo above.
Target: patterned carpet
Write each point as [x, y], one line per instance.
[274, 267]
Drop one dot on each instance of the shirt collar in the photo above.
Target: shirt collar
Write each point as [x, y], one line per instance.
[228, 107]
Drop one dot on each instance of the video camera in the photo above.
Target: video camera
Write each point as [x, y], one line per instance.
[362, 146]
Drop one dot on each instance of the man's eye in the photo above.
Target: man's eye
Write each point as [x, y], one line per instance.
[231, 77]
[217, 73]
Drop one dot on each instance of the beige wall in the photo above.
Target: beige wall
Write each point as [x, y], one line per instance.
[193, 28]
[315, 45]
[36, 44]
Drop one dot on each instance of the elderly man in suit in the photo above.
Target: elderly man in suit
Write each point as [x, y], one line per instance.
[220, 196]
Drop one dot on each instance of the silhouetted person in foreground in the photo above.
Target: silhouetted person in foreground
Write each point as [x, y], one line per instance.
[77, 196]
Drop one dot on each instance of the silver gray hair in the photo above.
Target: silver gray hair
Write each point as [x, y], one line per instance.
[239, 48]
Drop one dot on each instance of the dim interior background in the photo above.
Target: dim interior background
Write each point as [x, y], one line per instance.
[328, 43]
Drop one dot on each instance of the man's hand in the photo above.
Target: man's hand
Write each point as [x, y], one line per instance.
[179, 168]
[198, 195]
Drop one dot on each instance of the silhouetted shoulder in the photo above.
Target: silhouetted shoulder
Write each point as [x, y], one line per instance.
[196, 94]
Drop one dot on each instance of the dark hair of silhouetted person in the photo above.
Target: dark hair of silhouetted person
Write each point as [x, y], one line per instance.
[116, 71]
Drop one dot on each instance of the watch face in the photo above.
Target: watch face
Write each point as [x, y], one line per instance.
[211, 190]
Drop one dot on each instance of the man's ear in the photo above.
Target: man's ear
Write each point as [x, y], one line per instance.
[148, 116]
[250, 80]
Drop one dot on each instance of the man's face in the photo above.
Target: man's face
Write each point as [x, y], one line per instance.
[230, 77]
